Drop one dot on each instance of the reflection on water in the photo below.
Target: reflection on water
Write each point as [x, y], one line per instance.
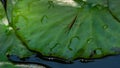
[108, 62]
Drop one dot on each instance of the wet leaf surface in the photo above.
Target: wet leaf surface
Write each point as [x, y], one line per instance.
[60, 29]
[67, 32]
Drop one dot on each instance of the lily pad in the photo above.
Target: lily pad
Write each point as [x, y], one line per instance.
[53, 28]
[114, 8]
[9, 43]
[60, 29]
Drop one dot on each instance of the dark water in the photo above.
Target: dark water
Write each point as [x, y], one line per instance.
[111, 62]
[108, 62]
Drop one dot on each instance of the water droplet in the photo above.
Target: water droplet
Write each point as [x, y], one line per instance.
[73, 41]
[99, 6]
[51, 4]
[44, 19]
[89, 40]
[105, 26]
[98, 52]
[93, 5]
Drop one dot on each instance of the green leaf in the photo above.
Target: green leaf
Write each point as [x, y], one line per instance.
[114, 8]
[9, 43]
[3, 45]
[66, 30]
